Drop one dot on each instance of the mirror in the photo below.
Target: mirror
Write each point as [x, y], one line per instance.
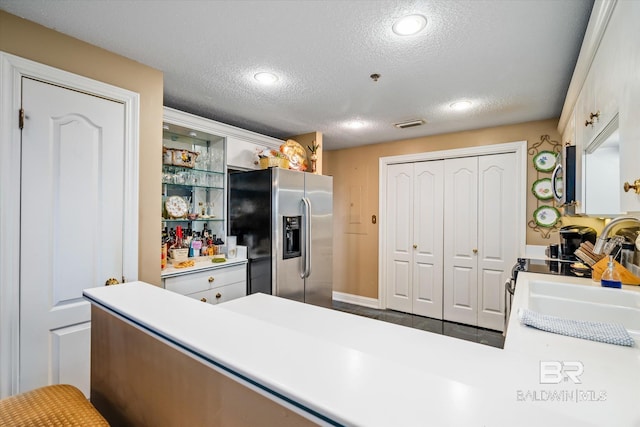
[602, 173]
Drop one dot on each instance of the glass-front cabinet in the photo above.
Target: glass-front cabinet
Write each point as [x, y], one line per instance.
[193, 190]
[193, 180]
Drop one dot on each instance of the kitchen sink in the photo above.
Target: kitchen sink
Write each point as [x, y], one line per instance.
[585, 302]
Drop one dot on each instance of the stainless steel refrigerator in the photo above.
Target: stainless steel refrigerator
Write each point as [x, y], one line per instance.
[285, 218]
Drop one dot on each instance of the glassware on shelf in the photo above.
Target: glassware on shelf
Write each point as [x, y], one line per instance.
[201, 161]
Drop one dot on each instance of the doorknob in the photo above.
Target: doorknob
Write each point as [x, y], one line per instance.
[111, 281]
[475, 251]
[635, 186]
[415, 246]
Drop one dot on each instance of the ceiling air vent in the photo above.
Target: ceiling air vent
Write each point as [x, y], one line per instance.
[409, 124]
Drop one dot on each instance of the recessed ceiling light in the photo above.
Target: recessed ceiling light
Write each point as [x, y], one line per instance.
[355, 124]
[460, 105]
[409, 25]
[265, 77]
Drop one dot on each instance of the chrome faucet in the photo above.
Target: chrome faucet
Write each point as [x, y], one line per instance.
[604, 236]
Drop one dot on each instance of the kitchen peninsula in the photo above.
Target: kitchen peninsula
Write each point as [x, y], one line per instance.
[264, 360]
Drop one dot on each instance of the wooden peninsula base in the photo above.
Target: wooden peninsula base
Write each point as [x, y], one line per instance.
[139, 379]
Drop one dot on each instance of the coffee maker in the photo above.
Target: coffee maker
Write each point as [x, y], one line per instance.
[571, 236]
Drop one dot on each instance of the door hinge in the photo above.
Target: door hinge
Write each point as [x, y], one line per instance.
[21, 118]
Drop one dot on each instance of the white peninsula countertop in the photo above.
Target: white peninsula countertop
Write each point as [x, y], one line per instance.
[341, 369]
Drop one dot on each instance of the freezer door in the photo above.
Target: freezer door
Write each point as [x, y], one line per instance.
[250, 218]
[318, 285]
[288, 193]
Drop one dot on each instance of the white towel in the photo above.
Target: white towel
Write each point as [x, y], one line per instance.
[610, 333]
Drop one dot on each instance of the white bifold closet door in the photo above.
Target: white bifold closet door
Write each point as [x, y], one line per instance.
[414, 235]
[480, 237]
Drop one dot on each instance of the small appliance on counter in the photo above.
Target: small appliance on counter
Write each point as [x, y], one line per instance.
[571, 236]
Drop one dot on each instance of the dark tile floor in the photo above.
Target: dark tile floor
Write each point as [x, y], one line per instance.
[443, 327]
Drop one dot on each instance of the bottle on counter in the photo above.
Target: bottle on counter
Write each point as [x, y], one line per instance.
[196, 245]
[610, 277]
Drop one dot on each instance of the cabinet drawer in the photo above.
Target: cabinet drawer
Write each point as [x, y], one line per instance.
[204, 280]
[222, 293]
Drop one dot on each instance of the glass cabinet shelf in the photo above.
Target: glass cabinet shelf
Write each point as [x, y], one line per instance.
[174, 169]
[189, 186]
[192, 220]
[175, 175]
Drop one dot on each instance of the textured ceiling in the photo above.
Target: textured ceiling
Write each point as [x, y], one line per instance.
[512, 59]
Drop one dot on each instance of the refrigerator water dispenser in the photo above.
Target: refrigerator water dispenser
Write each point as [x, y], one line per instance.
[291, 236]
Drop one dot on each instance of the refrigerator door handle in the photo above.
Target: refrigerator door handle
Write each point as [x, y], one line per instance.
[307, 238]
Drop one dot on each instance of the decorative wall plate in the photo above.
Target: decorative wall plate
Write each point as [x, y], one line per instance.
[546, 216]
[545, 161]
[176, 207]
[541, 188]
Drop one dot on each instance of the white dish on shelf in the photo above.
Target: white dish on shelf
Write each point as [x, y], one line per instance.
[176, 207]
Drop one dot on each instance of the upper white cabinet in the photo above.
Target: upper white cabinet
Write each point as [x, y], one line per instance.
[598, 114]
[628, 13]
[241, 154]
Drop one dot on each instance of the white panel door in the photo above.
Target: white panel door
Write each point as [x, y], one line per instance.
[461, 240]
[71, 234]
[497, 231]
[427, 237]
[399, 231]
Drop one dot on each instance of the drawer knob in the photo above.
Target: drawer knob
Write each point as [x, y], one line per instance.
[203, 299]
[211, 279]
[218, 295]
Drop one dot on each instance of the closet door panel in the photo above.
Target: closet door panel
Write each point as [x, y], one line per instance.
[399, 231]
[491, 295]
[497, 234]
[428, 234]
[460, 244]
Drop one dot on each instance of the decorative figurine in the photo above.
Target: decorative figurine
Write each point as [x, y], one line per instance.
[314, 155]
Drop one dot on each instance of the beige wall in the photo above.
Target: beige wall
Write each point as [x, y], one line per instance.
[306, 140]
[355, 173]
[37, 43]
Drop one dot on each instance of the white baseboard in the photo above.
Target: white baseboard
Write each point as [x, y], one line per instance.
[356, 299]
